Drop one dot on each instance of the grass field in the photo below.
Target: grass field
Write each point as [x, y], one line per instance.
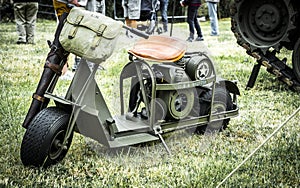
[196, 160]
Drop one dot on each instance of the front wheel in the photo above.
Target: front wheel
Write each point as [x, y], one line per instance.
[42, 143]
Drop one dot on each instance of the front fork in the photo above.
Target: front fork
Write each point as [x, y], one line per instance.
[56, 59]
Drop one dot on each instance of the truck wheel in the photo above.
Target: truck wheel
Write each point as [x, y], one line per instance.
[222, 103]
[296, 60]
[42, 142]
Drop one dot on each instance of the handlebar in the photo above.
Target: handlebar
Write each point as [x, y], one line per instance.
[136, 32]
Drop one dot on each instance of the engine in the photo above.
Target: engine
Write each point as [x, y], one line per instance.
[182, 102]
[176, 96]
[178, 103]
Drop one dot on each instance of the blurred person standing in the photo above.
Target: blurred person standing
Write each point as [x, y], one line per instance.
[164, 14]
[192, 20]
[132, 12]
[25, 12]
[213, 16]
[100, 6]
[91, 5]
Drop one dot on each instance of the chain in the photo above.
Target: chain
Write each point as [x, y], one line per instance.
[274, 65]
[278, 68]
[264, 57]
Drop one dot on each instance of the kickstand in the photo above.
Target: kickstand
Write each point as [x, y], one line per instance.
[164, 143]
[253, 76]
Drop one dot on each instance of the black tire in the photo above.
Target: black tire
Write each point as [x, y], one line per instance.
[264, 24]
[134, 97]
[222, 102]
[41, 145]
[296, 60]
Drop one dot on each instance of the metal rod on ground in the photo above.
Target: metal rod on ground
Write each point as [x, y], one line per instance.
[263, 143]
[164, 144]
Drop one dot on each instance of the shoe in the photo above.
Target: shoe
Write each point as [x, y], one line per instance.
[21, 42]
[165, 28]
[214, 35]
[190, 39]
[199, 39]
[31, 42]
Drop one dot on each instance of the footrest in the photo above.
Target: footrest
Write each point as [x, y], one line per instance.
[132, 139]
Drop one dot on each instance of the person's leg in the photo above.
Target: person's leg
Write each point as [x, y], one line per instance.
[91, 5]
[190, 21]
[197, 26]
[100, 6]
[164, 14]
[31, 16]
[19, 12]
[129, 22]
[213, 17]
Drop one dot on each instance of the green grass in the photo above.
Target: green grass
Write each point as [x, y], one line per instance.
[196, 161]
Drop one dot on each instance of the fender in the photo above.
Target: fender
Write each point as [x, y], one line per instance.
[231, 86]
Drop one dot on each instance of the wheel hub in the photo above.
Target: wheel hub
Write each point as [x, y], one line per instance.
[57, 145]
[180, 102]
[267, 18]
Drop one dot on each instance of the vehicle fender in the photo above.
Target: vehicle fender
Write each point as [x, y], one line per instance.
[231, 86]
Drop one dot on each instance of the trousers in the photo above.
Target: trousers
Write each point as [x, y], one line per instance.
[25, 18]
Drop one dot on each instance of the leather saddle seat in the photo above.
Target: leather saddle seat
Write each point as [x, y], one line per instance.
[159, 48]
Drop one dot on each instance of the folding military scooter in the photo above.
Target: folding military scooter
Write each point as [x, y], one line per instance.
[163, 88]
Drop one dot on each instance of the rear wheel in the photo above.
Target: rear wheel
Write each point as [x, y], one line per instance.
[42, 143]
[222, 102]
